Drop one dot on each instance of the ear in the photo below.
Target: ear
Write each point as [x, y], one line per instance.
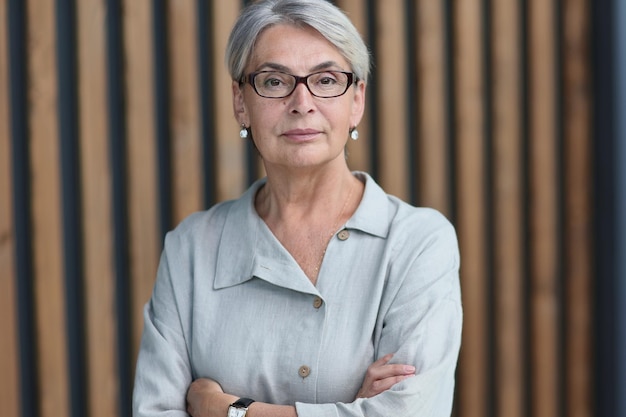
[239, 106]
[358, 104]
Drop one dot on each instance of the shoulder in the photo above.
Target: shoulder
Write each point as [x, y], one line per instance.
[395, 218]
[419, 220]
[382, 214]
[209, 223]
[416, 231]
[196, 224]
[424, 251]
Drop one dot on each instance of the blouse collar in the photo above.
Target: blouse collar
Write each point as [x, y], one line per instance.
[249, 249]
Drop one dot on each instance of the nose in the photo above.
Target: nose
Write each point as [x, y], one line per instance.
[301, 99]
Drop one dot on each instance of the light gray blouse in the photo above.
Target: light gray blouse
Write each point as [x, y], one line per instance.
[231, 304]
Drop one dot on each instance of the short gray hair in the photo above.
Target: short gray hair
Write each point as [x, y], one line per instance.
[327, 19]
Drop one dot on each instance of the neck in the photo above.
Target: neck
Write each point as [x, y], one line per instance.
[304, 213]
[307, 197]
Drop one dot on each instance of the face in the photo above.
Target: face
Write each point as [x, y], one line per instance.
[300, 130]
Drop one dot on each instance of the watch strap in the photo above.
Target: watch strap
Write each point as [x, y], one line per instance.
[242, 403]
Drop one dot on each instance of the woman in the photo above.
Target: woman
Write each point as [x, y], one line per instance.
[315, 293]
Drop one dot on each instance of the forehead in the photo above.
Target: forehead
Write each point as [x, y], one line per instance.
[297, 48]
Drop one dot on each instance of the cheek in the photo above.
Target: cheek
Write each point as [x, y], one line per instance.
[265, 115]
[338, 118]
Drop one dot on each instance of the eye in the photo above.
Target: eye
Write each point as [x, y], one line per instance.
[273, 80]
[325, 79]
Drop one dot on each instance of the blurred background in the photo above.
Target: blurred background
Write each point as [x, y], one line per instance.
[509, 116]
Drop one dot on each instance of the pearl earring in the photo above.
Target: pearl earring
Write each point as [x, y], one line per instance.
[354, 133]
[243, 133]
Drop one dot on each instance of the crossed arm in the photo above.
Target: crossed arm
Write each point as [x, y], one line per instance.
[422, 326]
[205, 397]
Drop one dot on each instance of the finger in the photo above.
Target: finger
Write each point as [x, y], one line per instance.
[386, 371]
[380, 363]
[380, 386]
[384, 384]
[383, 360]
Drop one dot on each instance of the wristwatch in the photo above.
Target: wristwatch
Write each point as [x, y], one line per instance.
[239, 408]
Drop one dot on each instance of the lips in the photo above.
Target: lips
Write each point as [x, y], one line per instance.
[301, 135]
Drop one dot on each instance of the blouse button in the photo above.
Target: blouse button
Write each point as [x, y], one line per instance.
[304, 371]
[317, 302]
[343, 235]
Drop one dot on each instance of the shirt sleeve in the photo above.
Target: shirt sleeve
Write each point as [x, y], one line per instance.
[421, 326]
[163, 372]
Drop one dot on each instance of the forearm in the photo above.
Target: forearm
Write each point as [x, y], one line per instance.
[220, 403]
[256, 409]
[205, 398]
[259, 409]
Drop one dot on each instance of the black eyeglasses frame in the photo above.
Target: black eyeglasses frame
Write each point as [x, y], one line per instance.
[249, 79]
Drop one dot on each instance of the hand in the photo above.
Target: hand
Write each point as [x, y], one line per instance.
[381, 376]
[205, 398]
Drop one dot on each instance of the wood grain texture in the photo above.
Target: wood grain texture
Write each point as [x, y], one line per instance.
[230, 147]
[46, 210]
[9, 355]
[390, 61]
[545, 302]
[577, 237]
[432, 150]
[186, 149]
[143, 211]
[508, 208]
[469, 113]
[95, 169]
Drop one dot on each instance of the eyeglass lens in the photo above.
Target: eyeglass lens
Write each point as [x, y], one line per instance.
[276, 84]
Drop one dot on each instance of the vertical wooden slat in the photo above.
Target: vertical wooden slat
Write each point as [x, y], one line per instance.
[184, 109]
[508, 208]
[432, 158]
[577, 206]
[474, 381]
[9, 359]
[391, 66]
[359, 151]
[543, 206]
[96, 208]
[45, 187]
[230, 148]
[143, 213]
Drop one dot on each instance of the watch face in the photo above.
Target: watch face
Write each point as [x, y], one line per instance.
[236, 412]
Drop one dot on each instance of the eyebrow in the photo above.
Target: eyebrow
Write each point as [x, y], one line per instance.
[283, 68]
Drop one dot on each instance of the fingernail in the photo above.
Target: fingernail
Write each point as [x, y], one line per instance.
[409, 369]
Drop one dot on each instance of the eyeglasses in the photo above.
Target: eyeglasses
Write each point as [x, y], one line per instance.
[277, 84]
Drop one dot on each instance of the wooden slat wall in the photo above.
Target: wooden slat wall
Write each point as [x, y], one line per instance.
[391, 64]
[47, 240]
[143, 213]
[99, 288]
[9, 404]
[430, 96]
[481, 109]
[506, 189]
[544, 245]
[577, 176]
[473, 213]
